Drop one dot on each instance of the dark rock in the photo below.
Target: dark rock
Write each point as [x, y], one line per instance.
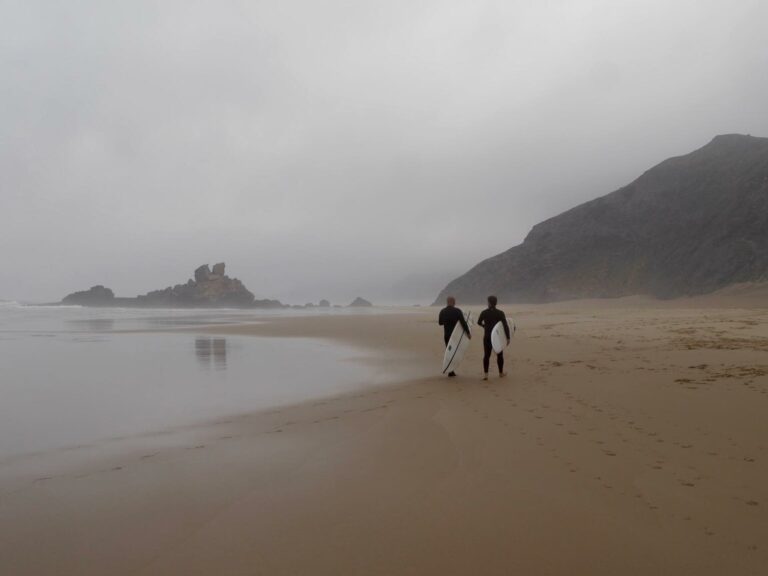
[269, 304]
[324, 304]
[96, 296]
[208, 289]
[360, 302]
[691, 225]
[202, 273]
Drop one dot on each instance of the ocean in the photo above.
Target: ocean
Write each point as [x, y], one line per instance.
[73, 376]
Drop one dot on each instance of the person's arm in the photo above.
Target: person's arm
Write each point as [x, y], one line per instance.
[441, 317]
[481, 319]
[506, 326]
[465, 325]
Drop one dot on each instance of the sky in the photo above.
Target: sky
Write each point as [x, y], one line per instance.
[330, 149]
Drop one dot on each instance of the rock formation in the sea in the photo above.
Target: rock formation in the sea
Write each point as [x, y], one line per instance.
[360, 303]
[268, 303]
[95, 296]
[324, 303]
[690, 225]
[210, 288]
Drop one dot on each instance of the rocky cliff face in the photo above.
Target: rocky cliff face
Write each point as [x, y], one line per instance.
[690, 225]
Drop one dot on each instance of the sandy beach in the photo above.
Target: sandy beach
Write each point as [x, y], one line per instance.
[626, 439]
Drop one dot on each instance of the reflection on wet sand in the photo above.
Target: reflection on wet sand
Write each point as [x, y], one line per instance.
[211, 352]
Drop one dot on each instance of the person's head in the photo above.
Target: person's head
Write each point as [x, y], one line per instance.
[451, 301]
[492, 301]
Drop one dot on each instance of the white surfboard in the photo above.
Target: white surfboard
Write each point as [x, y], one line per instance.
[457, 346]
[498, 336]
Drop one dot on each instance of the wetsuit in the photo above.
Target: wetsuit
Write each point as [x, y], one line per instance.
[449, 317]
[488, 319]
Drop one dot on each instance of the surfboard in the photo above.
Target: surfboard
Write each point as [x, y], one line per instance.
[499, 338]
[457, 346]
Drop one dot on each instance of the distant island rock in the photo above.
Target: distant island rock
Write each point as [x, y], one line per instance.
[210, 288]
[691, 225]
[360, 303]
[95, 296]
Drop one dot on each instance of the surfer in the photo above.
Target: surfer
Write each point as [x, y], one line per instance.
[488, 319]
[449, 317]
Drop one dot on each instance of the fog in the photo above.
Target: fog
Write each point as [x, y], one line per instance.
[333, 149]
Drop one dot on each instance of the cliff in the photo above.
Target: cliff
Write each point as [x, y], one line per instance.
[690, 225]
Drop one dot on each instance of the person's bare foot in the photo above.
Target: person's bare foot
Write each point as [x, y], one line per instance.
[502, 374]
[485, 377]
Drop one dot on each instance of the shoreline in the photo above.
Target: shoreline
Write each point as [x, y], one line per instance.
[622, 441]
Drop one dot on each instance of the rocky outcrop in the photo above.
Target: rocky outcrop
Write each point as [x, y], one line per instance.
[95, 296]
[267, 303]
[691, 225]
[202, 273]
[360, 303]
[209, 288]
[324, 303]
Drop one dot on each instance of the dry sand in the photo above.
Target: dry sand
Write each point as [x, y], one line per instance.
[628, 440]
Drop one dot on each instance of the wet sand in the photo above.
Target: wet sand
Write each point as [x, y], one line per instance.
[629, 439]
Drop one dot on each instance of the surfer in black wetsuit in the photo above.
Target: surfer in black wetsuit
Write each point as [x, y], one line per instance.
[488, 319]
[449, 317]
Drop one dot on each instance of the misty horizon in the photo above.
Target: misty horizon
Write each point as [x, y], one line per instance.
[337, 151]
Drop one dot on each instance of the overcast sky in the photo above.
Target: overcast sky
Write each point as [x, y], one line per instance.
[326, 149]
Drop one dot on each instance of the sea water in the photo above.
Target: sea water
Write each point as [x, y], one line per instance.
[71, 376]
